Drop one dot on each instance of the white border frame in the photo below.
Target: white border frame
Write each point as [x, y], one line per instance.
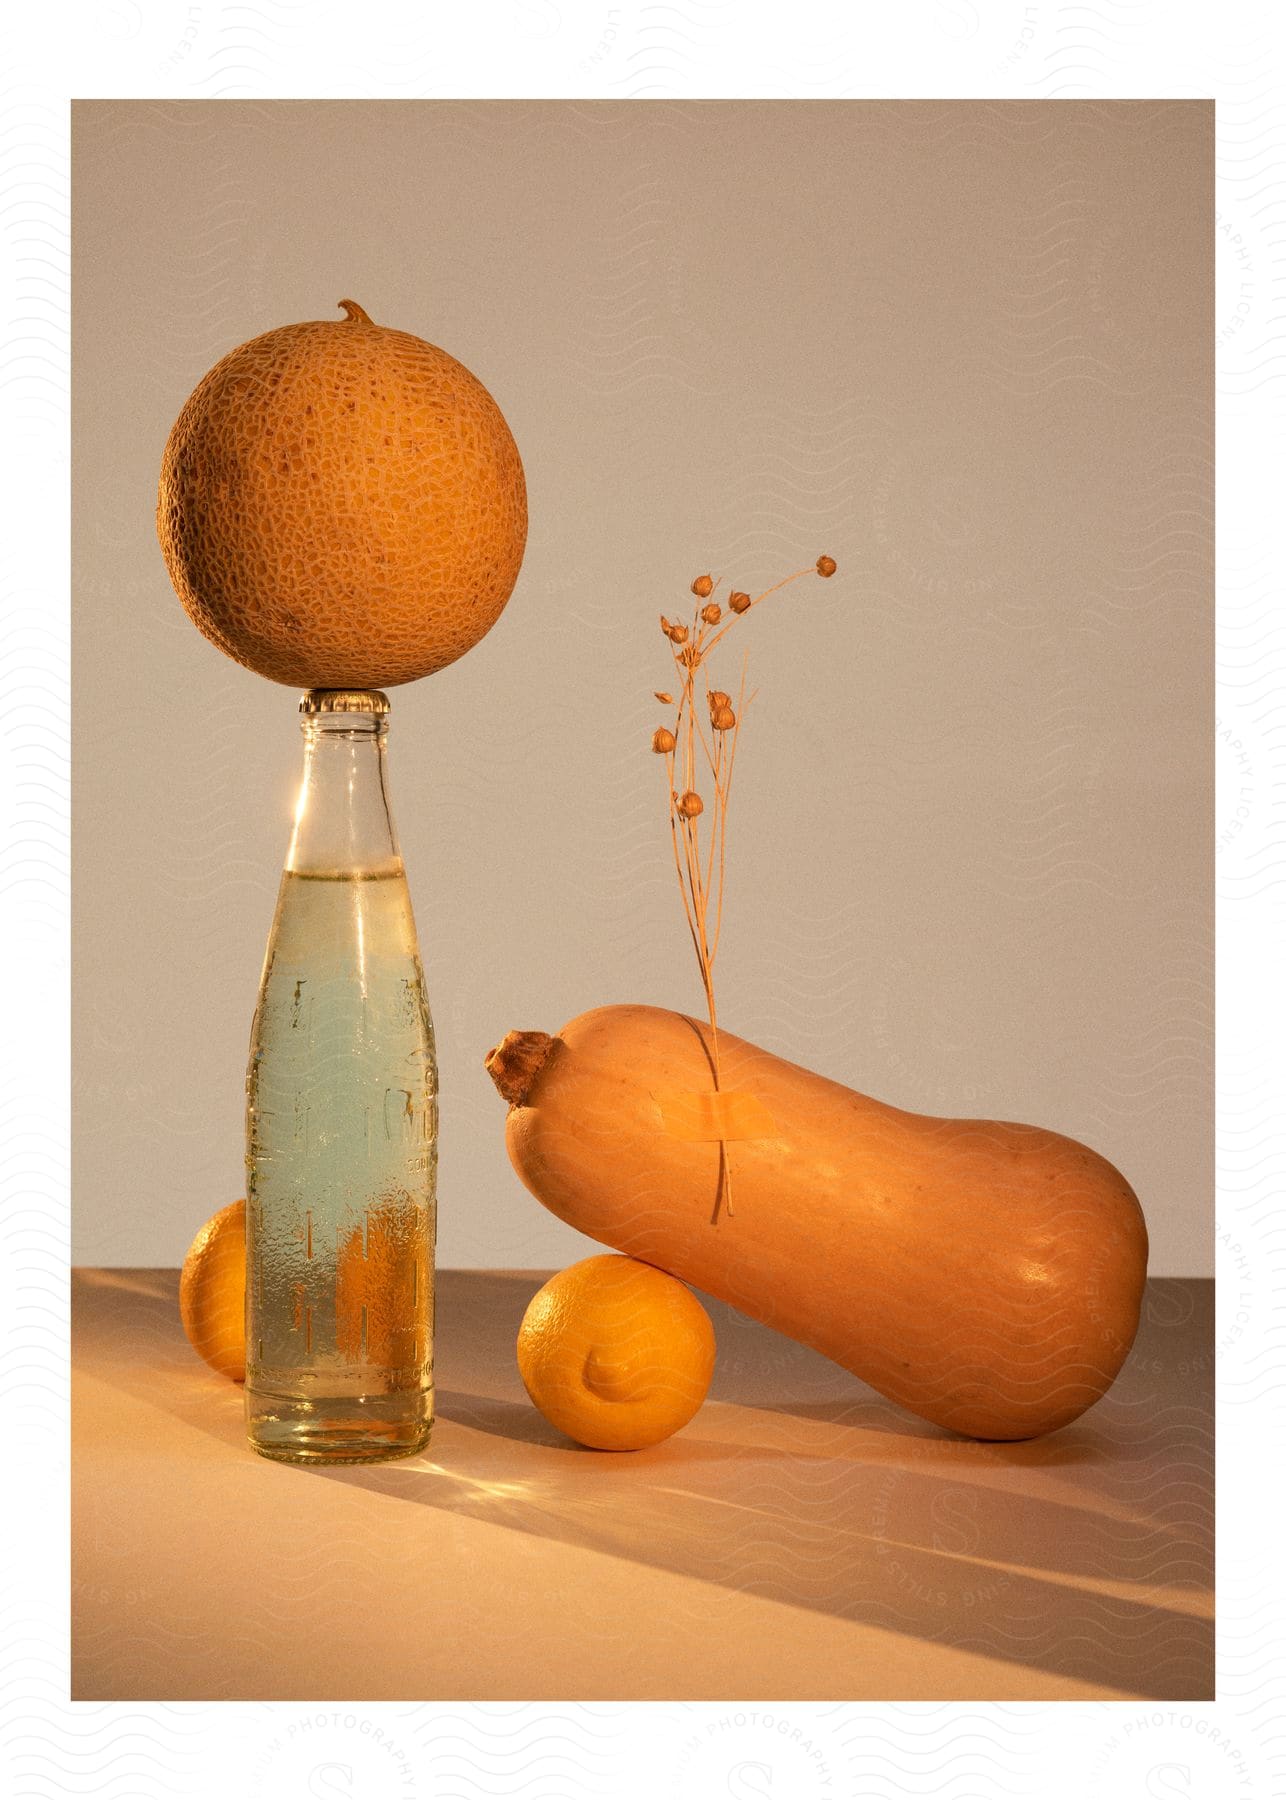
[1018, 49]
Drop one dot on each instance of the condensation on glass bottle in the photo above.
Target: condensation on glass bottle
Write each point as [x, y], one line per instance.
[341, 1123]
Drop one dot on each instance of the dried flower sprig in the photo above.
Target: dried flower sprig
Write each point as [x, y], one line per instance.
[701, 882]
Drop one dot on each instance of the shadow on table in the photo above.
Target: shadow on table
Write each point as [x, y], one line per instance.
[835, 1501]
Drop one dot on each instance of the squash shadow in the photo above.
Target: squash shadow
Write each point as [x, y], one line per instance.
[1087, 1554]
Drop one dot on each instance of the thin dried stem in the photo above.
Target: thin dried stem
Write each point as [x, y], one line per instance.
[742, 703]
[678, 864]
[698, 885]
[710, 758]
[693, 860]
[716, 828]
[726, 627]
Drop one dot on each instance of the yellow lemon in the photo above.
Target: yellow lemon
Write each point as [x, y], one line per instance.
[212, 1291]
[615, 1353]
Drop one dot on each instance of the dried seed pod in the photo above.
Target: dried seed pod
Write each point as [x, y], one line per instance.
[826, 565]
[724, 719]
[662, 741]
[678, 634]
[717, 698]
[665, 699]
[712, 613]
[739, 602]
[703, 587]
[688, 805]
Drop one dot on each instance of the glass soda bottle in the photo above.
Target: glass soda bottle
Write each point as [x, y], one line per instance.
[341, 1123]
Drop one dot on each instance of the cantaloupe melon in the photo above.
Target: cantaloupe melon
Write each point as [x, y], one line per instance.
[342, 505]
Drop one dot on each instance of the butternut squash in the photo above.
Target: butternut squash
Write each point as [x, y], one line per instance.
[985, 1276]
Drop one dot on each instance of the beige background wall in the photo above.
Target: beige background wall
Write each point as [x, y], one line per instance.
[964, 348]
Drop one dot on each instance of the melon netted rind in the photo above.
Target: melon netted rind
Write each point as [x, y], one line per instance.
[342, 505]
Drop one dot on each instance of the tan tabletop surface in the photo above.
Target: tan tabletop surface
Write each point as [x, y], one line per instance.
[802, 1539]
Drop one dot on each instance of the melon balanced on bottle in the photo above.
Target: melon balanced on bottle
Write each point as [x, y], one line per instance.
[341, 508]
[342, 505]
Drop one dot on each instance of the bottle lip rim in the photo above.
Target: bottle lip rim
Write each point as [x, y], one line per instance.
[316, 701]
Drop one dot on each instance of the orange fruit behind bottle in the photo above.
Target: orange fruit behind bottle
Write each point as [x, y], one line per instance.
[212, 1292]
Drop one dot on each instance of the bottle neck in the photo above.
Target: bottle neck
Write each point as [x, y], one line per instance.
[343, 821]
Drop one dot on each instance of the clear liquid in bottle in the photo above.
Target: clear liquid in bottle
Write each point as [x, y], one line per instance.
[341, 1144]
